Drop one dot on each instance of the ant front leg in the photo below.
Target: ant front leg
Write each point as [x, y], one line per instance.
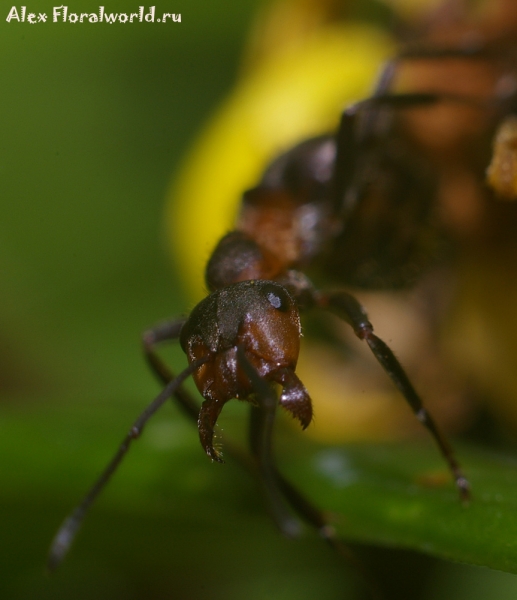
[261, 446]
[348, 308]
[276, 486]
[70, 526]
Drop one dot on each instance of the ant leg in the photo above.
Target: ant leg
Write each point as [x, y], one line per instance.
[363, 126]
[66, 533]
[349, 309]
[169, 330]
[261, 444]
[359, 125]
[352, 133]
[307, 511]
[365, 123]
[261, 422]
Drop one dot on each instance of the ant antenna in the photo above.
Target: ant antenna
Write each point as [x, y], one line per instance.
[68, 530]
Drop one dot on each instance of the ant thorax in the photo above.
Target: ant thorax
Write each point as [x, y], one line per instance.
[290, 212]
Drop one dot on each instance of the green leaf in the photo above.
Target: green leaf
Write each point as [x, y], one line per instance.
[168, 504]
[400, 495]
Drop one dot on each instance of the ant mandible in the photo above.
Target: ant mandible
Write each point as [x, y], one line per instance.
[356, 207]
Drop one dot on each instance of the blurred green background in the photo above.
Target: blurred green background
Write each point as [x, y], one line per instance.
[95, 119]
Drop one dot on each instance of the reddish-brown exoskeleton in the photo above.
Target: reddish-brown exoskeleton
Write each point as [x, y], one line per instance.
[357, 208]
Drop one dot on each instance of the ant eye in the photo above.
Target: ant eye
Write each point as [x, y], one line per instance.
[274, 300]
[277, 297]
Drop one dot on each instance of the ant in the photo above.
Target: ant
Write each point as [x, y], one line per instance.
[356, 207]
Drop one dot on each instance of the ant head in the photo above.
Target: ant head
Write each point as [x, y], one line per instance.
[250, 324]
